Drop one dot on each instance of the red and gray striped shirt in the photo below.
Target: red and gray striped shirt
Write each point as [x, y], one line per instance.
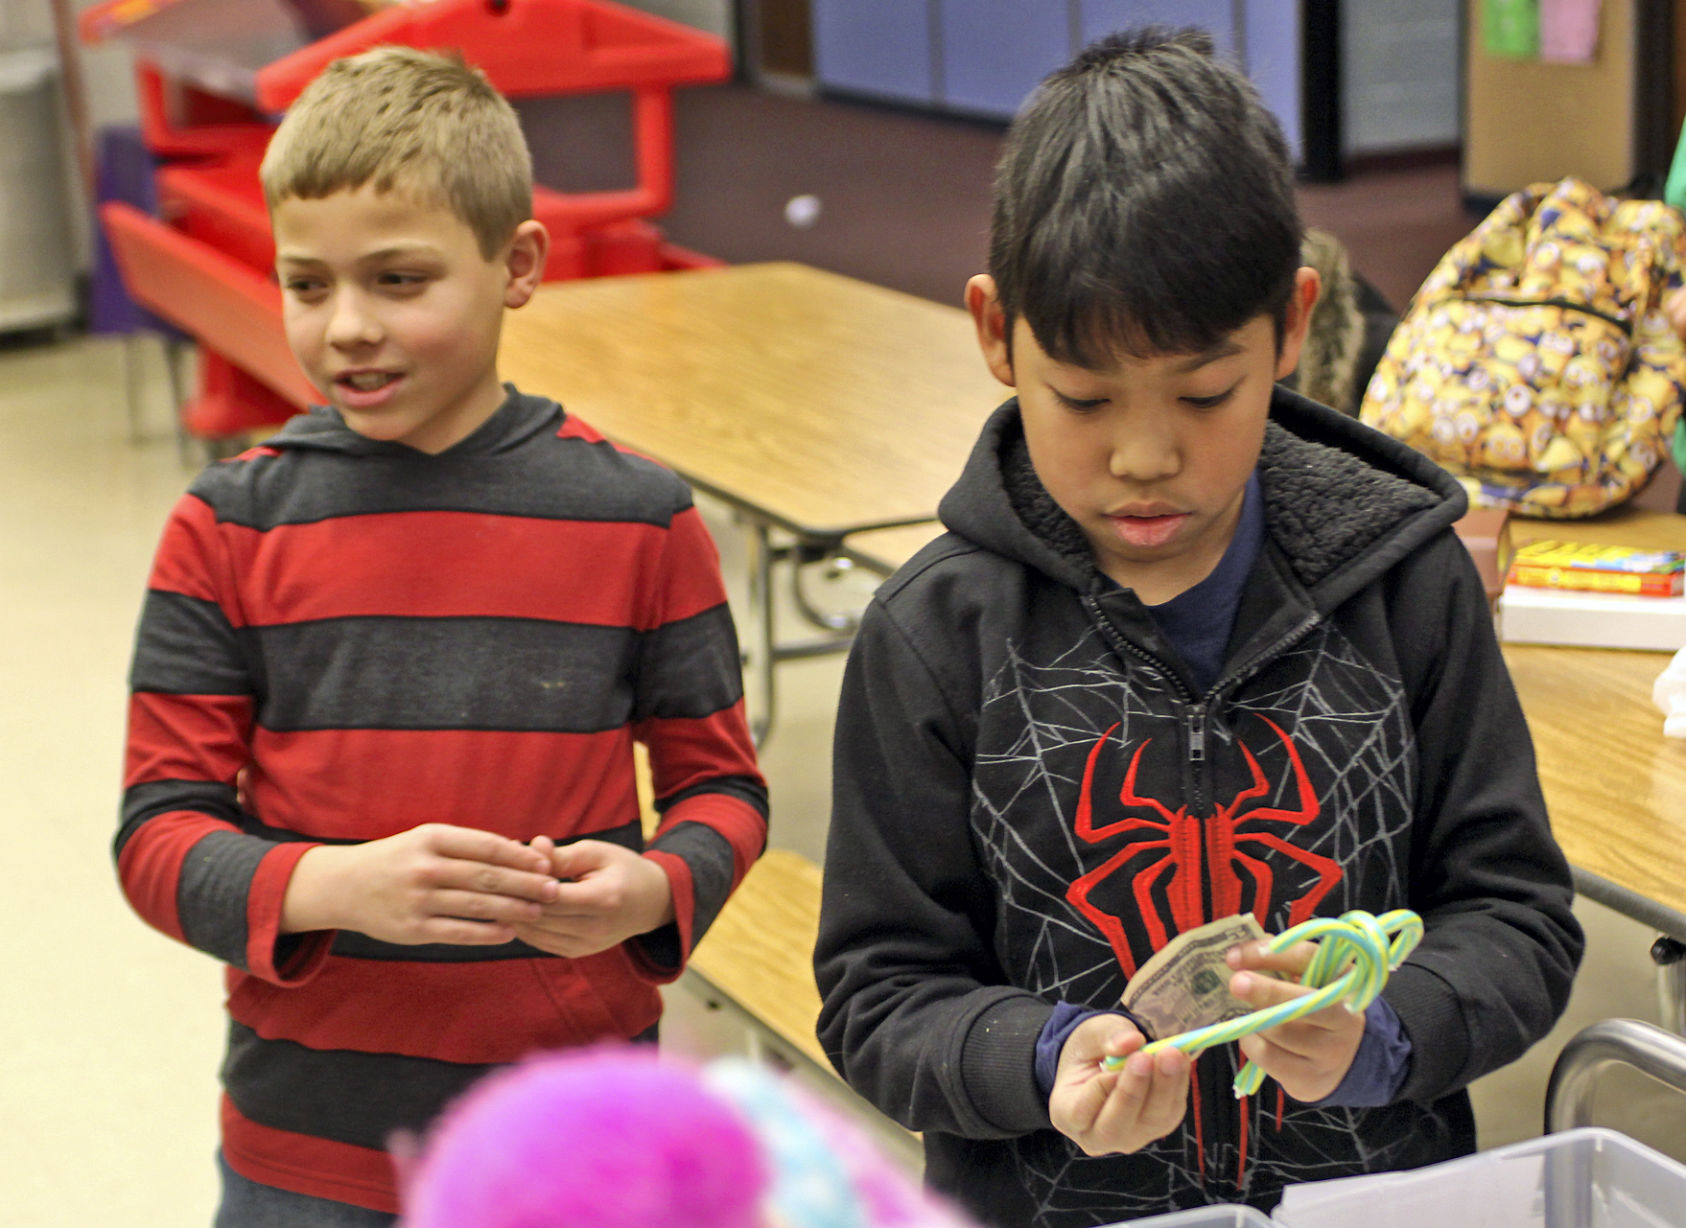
[343, 639]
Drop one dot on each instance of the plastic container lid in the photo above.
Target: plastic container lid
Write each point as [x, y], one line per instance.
[1583, 1178]
[1225, 1215]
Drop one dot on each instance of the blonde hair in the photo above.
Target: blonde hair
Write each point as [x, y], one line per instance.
[410, 121]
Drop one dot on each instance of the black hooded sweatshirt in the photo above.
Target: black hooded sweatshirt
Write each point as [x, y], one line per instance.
[1032, 795]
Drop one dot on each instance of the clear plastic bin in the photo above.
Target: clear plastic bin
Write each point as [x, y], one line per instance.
[1582, 1178]
[1226, 1216]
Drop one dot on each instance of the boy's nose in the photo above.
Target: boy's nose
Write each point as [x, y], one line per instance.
[351, 323]
[1144, 452]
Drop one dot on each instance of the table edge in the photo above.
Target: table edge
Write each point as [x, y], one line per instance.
[1630, 903]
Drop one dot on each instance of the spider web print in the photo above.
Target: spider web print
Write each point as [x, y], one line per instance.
[1038, 725]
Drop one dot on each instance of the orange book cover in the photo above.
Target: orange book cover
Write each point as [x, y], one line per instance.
[1587, 567]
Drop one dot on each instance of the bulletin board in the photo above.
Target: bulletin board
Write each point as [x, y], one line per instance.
[1528, 121]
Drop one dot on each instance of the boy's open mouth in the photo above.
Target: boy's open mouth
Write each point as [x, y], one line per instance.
[367, 381]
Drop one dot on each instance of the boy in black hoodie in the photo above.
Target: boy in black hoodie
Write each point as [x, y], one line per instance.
[1193, 646]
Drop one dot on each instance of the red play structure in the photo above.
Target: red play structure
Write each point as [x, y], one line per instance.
[212, 73]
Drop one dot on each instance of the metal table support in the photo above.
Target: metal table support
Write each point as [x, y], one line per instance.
[764, 650]
[1629, 1042]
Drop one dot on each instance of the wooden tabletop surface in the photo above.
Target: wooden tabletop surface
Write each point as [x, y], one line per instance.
[1615, 786]
[822, 403]
[759, 951]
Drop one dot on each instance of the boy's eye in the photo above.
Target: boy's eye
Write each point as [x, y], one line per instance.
[1211, 402]
[398, 280]
[301, 287]
[1081, 405]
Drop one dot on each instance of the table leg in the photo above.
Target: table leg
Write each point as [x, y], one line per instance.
[760, 662]
[1669, 954]
[763, 650]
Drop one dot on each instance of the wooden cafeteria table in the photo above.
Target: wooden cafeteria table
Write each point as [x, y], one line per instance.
[813, 405]
[1615, 786]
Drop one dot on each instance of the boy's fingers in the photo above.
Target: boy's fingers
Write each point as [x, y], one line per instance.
[1122, 1041]
[582, 857]
[1170, 1089]
[1091, 1098]
[1259, 991]
[468, 844]
[1257, 955]
[493, 881]
[480, 906]
[457, 932]
[1149, 1096]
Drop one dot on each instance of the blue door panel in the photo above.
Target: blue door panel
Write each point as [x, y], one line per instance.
[995, 51]
[1102, 17]
[877, 47]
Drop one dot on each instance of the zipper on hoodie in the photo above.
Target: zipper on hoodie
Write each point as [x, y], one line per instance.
[1500, 300]
[1197, 734]
[1126, 648]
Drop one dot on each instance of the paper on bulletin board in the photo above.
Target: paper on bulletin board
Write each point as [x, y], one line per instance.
[1510, 29]
[1569, 31]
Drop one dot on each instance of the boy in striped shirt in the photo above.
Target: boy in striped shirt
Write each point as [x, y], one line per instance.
[392, 664]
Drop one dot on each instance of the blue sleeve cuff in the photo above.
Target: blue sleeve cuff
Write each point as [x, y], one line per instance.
[1379, 1067]
[1055, 1033]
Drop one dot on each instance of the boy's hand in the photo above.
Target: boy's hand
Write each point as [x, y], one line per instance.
[1308, 1057]
[433, 883]
[1106, 1111]
[1674, 306]
[610, 893]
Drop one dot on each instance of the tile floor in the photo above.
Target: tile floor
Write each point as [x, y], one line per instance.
[109, 1033]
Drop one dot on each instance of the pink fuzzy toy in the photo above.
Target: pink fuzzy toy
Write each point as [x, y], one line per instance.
[624, 1138]
[597, 1139]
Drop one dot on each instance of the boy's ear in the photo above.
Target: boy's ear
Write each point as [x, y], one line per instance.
[524, 260]
[1296, 321]
[991, 324]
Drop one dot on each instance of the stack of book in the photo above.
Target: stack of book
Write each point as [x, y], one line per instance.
[1568, 592]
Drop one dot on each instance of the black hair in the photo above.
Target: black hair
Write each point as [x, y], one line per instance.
[1145, 201]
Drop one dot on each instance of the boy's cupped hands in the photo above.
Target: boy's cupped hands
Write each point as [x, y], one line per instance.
[460, 885]
[608, 893]
[433, 883]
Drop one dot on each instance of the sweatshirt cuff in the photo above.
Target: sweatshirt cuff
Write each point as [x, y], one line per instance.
[1380, 1066]
[998, 1064]
[662, 953]
[282, 959]
[1433, 1022]
[1061, 1024]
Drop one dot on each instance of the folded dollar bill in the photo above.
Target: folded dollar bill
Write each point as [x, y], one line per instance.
[1186, 983]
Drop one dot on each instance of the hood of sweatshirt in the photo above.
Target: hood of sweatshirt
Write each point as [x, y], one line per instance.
[1342, 501]
[513, 423]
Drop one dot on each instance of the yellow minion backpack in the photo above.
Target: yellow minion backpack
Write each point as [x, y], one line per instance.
[1536, 364]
